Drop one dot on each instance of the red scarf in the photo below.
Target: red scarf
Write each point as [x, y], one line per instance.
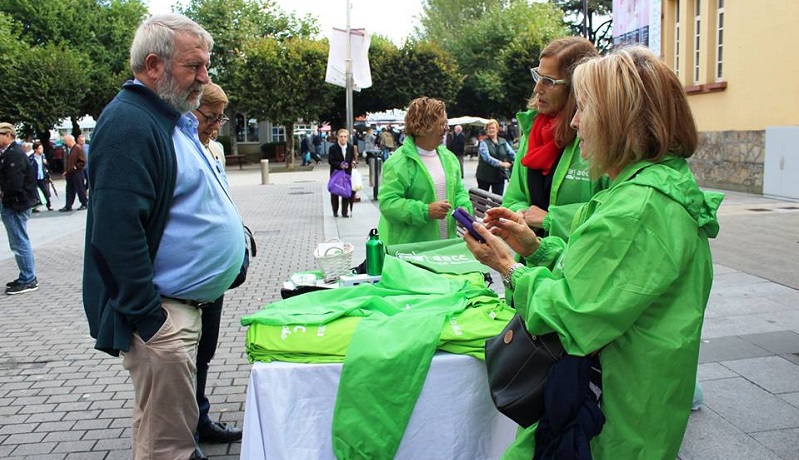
[542, 151]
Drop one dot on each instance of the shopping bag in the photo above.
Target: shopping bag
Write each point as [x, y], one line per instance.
[340, 184]
[357, 180]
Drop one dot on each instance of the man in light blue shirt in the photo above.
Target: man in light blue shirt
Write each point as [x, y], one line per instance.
[163, 237]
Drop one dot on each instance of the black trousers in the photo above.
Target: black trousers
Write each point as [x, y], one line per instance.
[496, 187]
[76, 185]
[45, 188]
[211, 318]
[346, 204]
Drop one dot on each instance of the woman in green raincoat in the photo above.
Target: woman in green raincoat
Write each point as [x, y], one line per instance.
[550, 180]
[421, 180]
[632, 282]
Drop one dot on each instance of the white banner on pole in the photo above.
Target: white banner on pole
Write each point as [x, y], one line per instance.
[337, 59]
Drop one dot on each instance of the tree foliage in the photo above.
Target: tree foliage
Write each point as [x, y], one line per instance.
[284, 81]
[98, 32]
[41, 84]
[491, 41]
[598, 21]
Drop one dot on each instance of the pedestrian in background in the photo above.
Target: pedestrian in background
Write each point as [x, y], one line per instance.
[42, 173]
[74, 174]
[496, 158]
[457, 145]
[163, 237]
[19, 196]
[342, 156]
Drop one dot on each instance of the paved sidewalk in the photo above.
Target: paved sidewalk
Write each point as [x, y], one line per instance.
[60, 399]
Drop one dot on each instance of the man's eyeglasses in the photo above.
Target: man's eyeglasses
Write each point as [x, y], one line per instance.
[211, 119]
[546, 82]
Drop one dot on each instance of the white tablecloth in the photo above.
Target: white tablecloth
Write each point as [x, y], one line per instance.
[289, 413]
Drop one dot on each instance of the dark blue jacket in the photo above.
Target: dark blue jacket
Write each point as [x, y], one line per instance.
[132, 169]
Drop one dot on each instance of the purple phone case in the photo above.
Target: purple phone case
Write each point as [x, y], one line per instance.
[465, 219]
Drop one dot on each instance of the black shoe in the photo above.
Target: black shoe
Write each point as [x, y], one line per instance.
[21, 288]
[65, 209]
[12, 283]
[49, 208]
[82, 207]
[335, 214]
[35, 210]
[219, 433]
[198, 454]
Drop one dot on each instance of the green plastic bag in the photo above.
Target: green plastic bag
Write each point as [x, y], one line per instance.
[439, 256]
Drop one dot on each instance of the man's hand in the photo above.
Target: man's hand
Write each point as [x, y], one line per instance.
[439, 209]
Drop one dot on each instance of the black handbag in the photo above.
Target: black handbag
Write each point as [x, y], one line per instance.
[518, 366]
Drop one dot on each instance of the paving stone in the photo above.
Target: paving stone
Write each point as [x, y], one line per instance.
[749, 407]
[110, 433]
[55, 426]
[710, 437]
[82, 447]
[113, 444]
[784, 442]
[34, 449]
[792, 398]
[713, 371]
[728, 348]
[24, 438]
[60, 436]
[771, 373]
[776, 342]
[88, 456]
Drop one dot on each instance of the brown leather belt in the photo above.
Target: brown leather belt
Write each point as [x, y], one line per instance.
[191, 303]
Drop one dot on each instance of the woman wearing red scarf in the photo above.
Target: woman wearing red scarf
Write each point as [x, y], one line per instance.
[550, 178]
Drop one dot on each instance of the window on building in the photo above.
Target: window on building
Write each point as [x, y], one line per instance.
[246, 131]
[278, 133]
[677, 37]
[719, 38]
[697, 24]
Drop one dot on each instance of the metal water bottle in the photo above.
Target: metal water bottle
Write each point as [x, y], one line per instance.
[375, 253]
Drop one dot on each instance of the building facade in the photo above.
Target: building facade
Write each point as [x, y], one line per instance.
[737, 61]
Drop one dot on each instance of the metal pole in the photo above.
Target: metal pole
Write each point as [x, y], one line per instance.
[585, 18]
[348, 64]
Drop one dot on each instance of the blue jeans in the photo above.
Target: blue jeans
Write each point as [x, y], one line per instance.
[16, 223]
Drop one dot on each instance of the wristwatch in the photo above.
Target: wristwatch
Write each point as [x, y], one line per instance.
[507, 280]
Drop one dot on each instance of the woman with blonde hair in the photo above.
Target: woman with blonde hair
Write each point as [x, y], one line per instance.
[632, 283]
[550, 179]
[495, 160]
[421, 180]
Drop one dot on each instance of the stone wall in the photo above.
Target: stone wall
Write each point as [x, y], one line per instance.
[730, 160]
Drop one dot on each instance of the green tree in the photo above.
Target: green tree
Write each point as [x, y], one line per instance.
[41, 84]
[599, 21]
[101, 31]
[232, 23]
[284, 82]
[484, 37]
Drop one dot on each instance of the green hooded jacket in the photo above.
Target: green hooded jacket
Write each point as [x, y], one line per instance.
[571, 184]
[407, 190]
[633, 283]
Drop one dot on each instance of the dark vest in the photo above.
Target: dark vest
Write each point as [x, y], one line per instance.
[486, 172]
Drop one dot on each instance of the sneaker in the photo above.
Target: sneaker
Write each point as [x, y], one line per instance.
[35, 210]
[12, 283]
[21, 288]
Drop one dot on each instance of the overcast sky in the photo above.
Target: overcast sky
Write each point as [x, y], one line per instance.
[394, 19]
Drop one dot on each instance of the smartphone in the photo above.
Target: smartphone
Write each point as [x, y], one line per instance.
[465, 219]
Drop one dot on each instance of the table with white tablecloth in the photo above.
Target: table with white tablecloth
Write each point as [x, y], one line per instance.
[289, 413]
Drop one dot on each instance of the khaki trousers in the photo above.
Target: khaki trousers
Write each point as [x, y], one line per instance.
[164, 374]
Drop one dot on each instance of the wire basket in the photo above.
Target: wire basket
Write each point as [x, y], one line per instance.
[334, 262]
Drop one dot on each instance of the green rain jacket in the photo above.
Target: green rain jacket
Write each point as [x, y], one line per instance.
[571, 184]
[407, 190]
[633, 283]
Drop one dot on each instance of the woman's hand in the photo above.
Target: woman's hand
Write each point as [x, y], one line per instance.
[344, 165]
[512, 227]
[534, 217]
[439, 209]
[493, 253]
[504, 164]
